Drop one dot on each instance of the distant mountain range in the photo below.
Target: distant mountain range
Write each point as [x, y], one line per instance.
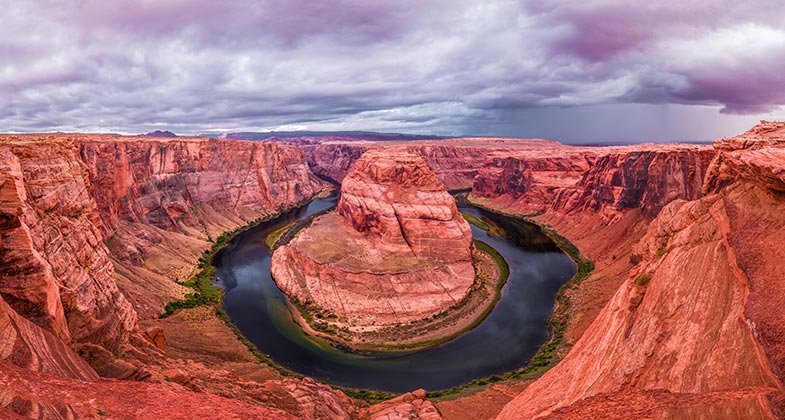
[315, 137]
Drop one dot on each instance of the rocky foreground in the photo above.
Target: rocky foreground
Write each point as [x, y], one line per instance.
[680, 319]
[396, 250]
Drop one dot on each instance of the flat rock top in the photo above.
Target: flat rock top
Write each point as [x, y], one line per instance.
[394, 168]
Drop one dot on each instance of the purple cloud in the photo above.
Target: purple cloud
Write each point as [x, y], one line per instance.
[449, 67]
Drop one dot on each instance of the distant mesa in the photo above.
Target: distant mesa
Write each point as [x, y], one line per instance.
[159, 133]
[396, 249]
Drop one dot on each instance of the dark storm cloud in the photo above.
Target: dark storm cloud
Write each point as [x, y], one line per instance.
[443, 66]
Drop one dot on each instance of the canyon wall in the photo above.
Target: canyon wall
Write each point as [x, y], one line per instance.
[54, 267]
[161, 201]
[162, 182]
[87, 220]
[63, 202]
[605, 180]
[694, 330]
[456, 162]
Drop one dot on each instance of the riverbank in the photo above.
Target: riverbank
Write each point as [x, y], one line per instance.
[552, 350]
[491, 273]
[371, 394]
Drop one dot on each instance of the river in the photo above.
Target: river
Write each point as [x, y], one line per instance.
[504, 341]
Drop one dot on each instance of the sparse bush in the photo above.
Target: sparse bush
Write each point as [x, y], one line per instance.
[643, 279]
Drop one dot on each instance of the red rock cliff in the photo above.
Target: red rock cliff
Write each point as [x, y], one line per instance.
[595, 180]
[694, 331]
[394, 196]
[161, 182]
[54, 268]
[456, 162]
[62, 196]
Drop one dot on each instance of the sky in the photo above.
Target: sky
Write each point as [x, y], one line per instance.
[575, 71]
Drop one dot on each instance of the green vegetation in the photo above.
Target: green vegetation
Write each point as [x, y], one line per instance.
[504, 268]
[370, 395]
[273, 236]
[476, 221]
[288, 232]
[205, 293]
[643, 279]
[661, 252]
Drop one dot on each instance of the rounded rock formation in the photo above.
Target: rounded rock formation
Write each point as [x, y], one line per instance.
[396, 250]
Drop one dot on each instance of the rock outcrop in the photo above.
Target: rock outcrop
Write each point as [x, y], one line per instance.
[396, 250]
[694, 331]
[54, 268]
[169, 184]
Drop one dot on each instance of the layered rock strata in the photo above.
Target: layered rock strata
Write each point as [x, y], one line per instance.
[694, 331]
[395, 250]
[456, 162]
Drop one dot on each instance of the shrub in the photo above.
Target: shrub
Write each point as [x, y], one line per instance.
[643, 279]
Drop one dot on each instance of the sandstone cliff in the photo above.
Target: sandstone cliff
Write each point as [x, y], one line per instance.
[54, 268]
[396, 250]
[694, 331]
[160, 201]
[456, 162]
[154, 202]
[606, 180]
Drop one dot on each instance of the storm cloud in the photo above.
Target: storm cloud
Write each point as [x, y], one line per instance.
[447, 67]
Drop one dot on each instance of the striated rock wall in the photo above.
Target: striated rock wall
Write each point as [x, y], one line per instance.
[396, 249]
[530, 182]
[31, 347]
[605, 180]
[395, 197]
[160, 182]
[456, 162]
[54, 267]
[697, 319]
[82, 214]
[647, 180]
[333, 161]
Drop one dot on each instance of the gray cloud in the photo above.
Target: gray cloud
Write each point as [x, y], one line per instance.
[448, 67]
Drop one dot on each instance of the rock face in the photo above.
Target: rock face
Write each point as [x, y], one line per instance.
[594, 180]
[31, 347]
[54, 268]
[410, 248]
[530, 182]
[456, 162]
[394, 197]
[81, 214]
[160, 201]
[163, 183]
[697, 318]
[647, 180]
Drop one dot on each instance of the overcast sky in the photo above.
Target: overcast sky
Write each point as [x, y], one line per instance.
[576, 71]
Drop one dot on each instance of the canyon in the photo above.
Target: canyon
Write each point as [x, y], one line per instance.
[679, 318]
